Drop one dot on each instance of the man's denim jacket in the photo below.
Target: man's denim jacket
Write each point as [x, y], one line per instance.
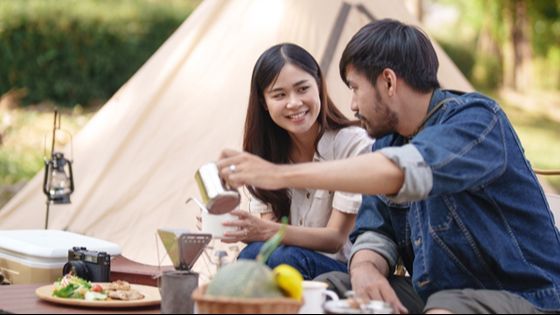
[471, 213]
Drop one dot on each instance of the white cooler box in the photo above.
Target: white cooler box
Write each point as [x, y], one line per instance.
[37, 256]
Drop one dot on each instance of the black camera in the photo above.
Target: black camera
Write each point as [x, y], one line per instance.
[89, 265]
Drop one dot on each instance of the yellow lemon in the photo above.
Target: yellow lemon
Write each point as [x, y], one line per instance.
[289, 279]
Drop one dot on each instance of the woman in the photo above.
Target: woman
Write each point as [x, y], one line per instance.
[291, 119]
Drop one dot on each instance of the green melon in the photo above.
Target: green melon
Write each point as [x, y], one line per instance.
[244, 279]
[249, 278]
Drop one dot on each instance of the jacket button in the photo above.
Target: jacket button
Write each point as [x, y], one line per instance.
[418, 242]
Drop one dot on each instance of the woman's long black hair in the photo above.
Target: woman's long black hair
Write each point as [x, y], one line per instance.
[266, 139]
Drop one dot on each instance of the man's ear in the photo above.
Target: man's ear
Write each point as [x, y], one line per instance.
[390, 79]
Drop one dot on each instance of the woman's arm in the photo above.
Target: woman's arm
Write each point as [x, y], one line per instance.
[327, 239]
[330, 238]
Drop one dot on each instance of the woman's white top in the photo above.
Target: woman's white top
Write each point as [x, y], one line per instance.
[313, 208]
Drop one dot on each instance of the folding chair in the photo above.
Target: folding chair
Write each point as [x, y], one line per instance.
[553, 199]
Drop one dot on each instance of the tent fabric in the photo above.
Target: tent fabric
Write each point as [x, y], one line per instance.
[134, 162]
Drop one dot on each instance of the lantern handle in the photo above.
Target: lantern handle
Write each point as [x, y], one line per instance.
[56, 127]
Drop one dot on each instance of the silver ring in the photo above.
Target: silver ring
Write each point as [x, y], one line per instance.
[232, 168]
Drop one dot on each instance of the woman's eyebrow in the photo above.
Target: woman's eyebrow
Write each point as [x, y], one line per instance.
[295, 85]
[301, 82]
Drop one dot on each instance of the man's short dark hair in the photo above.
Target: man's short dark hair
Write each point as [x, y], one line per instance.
[391, 44]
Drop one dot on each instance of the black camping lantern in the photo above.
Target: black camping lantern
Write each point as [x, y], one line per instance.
[58, 183]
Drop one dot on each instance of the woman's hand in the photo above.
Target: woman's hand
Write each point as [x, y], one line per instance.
[242, 168]
[249, 228]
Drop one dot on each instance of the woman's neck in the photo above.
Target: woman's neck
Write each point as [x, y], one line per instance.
[303, 145]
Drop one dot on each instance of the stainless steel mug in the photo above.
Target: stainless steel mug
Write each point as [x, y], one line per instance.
[218, 198]
[176, 288]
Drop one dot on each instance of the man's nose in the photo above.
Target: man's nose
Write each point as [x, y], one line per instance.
[353, 105]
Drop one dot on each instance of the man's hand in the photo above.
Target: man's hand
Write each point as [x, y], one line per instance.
[370, 284]
[242, 168]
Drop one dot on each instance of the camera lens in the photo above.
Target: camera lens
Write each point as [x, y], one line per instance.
[77, 268]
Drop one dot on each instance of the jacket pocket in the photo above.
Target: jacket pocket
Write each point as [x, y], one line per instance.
[458, 247]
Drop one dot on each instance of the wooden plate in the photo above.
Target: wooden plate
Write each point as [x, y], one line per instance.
[151, 297]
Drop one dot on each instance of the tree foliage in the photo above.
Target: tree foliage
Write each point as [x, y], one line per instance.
[76, 52]
[513, 42]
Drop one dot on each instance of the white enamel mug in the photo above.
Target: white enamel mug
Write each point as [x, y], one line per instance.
[212, 223]
[315, 294]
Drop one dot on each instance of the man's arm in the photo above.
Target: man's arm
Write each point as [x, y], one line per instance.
[368, 259]
[370, 173]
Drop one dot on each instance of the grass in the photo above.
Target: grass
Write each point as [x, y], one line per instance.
[538, 133]
[21, 151]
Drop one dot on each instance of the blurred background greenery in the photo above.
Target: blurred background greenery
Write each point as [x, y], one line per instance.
[75, 54]
[510, 50]
[80, 51]
[70, 54]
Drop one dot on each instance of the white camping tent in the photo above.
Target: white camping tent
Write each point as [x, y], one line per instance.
[134, 162]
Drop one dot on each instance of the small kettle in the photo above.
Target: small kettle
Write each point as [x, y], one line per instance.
[219, 198]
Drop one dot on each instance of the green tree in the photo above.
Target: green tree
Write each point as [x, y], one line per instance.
[515, 43]
[517, 49]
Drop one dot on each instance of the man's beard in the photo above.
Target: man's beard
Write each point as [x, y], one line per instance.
[386, 121]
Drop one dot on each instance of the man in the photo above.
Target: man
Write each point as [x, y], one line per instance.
[452, 194]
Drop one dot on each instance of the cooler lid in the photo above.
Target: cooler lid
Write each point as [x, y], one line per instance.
[51, 243]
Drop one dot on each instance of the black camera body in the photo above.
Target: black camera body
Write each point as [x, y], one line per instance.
[89, 265]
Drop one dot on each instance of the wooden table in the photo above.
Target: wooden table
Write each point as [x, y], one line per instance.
[21, 298]
[125, 269]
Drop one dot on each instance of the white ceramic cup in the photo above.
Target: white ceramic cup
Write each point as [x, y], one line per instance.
[212, 223]
[314, 296]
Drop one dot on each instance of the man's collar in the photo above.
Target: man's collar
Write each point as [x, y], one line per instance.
[437, 95]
